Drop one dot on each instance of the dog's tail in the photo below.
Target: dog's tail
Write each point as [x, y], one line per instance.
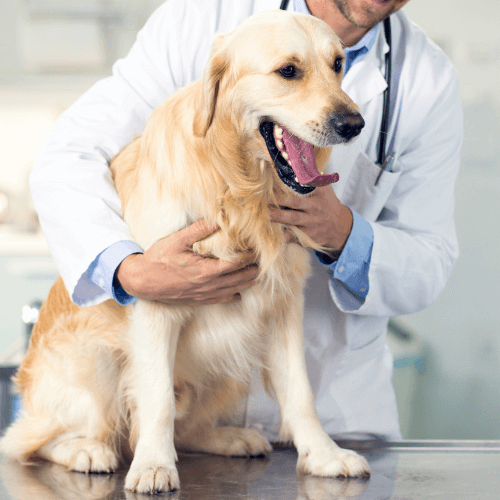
[27, 435]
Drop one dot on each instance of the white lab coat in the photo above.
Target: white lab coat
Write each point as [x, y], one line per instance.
[411, 210]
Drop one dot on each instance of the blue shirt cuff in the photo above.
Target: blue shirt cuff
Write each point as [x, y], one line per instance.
[102, 270]
[352, 267]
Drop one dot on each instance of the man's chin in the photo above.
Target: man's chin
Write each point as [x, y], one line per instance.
[369, 13]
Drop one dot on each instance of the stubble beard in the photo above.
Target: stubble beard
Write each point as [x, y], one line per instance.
[364, 19]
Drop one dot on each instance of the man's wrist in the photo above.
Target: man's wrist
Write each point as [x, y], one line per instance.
[128, 273]
[341, 232]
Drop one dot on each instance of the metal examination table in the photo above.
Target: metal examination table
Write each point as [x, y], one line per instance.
[403, 470]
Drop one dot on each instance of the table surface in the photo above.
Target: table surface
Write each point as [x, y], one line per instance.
[402, 470]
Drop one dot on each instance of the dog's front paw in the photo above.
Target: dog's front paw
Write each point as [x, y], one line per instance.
[332, 461]
[152, 478]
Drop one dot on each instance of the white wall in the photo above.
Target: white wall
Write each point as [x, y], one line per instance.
[468, 31]
[69, 36]
[459, 395]
[51, 51]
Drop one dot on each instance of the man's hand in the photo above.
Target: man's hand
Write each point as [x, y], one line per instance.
[170, 272]
[321, 216]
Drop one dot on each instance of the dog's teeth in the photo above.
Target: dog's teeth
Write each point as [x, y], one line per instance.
[289, 162]
[285, 155]
[278, 131]
[296, 180]
[321, 173]
[279, 144]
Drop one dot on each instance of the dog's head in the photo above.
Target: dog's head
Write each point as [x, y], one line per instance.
[277, 78]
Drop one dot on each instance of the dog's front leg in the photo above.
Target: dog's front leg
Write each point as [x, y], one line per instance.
[153, 342]
[318, 454]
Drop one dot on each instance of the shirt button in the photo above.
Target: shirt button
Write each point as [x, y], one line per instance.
[101, 282]
[341, 269]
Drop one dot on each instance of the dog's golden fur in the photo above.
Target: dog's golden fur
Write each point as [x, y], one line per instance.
[100, 380]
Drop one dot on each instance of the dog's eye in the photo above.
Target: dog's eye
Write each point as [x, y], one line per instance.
[288, 71]
[337, 65]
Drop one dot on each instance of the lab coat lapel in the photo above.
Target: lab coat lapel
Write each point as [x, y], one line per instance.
[365, 80]
[364, 83]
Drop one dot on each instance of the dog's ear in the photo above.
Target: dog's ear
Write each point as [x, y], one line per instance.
[210, 80]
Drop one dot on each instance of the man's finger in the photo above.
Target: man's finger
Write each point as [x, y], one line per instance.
[196, 232]
[226, 293]
[224, 268]
[220, 300]
[289, 217]
[244, 260]
[239, 277]
[291, 201]
[217, 267]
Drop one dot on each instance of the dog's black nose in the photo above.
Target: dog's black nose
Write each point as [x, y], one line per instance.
[348, 125]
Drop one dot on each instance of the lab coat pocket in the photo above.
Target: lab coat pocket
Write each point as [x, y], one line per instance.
[361, 194]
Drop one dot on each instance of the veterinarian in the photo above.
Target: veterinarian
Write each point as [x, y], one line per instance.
[391, 234]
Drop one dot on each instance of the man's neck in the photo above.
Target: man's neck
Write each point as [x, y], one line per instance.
[327, 11]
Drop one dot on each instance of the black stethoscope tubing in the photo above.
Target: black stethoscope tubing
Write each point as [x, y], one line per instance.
[384, 125]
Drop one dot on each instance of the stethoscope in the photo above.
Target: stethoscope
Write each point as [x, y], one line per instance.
[382, 161]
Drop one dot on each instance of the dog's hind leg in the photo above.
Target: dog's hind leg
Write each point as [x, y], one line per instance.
[69, 415]
[153, 343]
[90, 439]
[196, 432]
[318, 454]
[228, 441]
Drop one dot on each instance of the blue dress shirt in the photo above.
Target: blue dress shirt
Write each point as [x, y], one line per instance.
[351, 268]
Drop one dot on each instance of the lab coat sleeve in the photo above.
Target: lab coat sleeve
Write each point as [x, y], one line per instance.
[71, 183]
[415, 245]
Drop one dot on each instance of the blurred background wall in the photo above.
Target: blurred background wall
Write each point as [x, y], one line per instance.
[447, 358]
[459, 394]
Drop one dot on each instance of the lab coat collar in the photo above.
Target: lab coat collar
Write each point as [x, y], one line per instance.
[365, 80]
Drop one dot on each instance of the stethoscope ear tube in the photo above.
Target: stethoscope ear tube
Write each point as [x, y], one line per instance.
[387, 95]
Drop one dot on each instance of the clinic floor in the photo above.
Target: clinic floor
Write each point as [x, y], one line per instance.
[407, 470]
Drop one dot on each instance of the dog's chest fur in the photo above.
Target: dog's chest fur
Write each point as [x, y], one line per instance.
[165, 188]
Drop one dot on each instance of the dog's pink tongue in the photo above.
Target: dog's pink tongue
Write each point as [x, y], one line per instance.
[301, 156]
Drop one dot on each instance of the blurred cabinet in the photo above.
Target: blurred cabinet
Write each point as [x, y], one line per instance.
[78, 35]
[25, 275]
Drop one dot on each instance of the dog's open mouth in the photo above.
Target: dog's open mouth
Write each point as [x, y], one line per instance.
[294, 159]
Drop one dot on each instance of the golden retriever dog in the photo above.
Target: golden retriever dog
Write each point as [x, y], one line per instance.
[152, 378]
